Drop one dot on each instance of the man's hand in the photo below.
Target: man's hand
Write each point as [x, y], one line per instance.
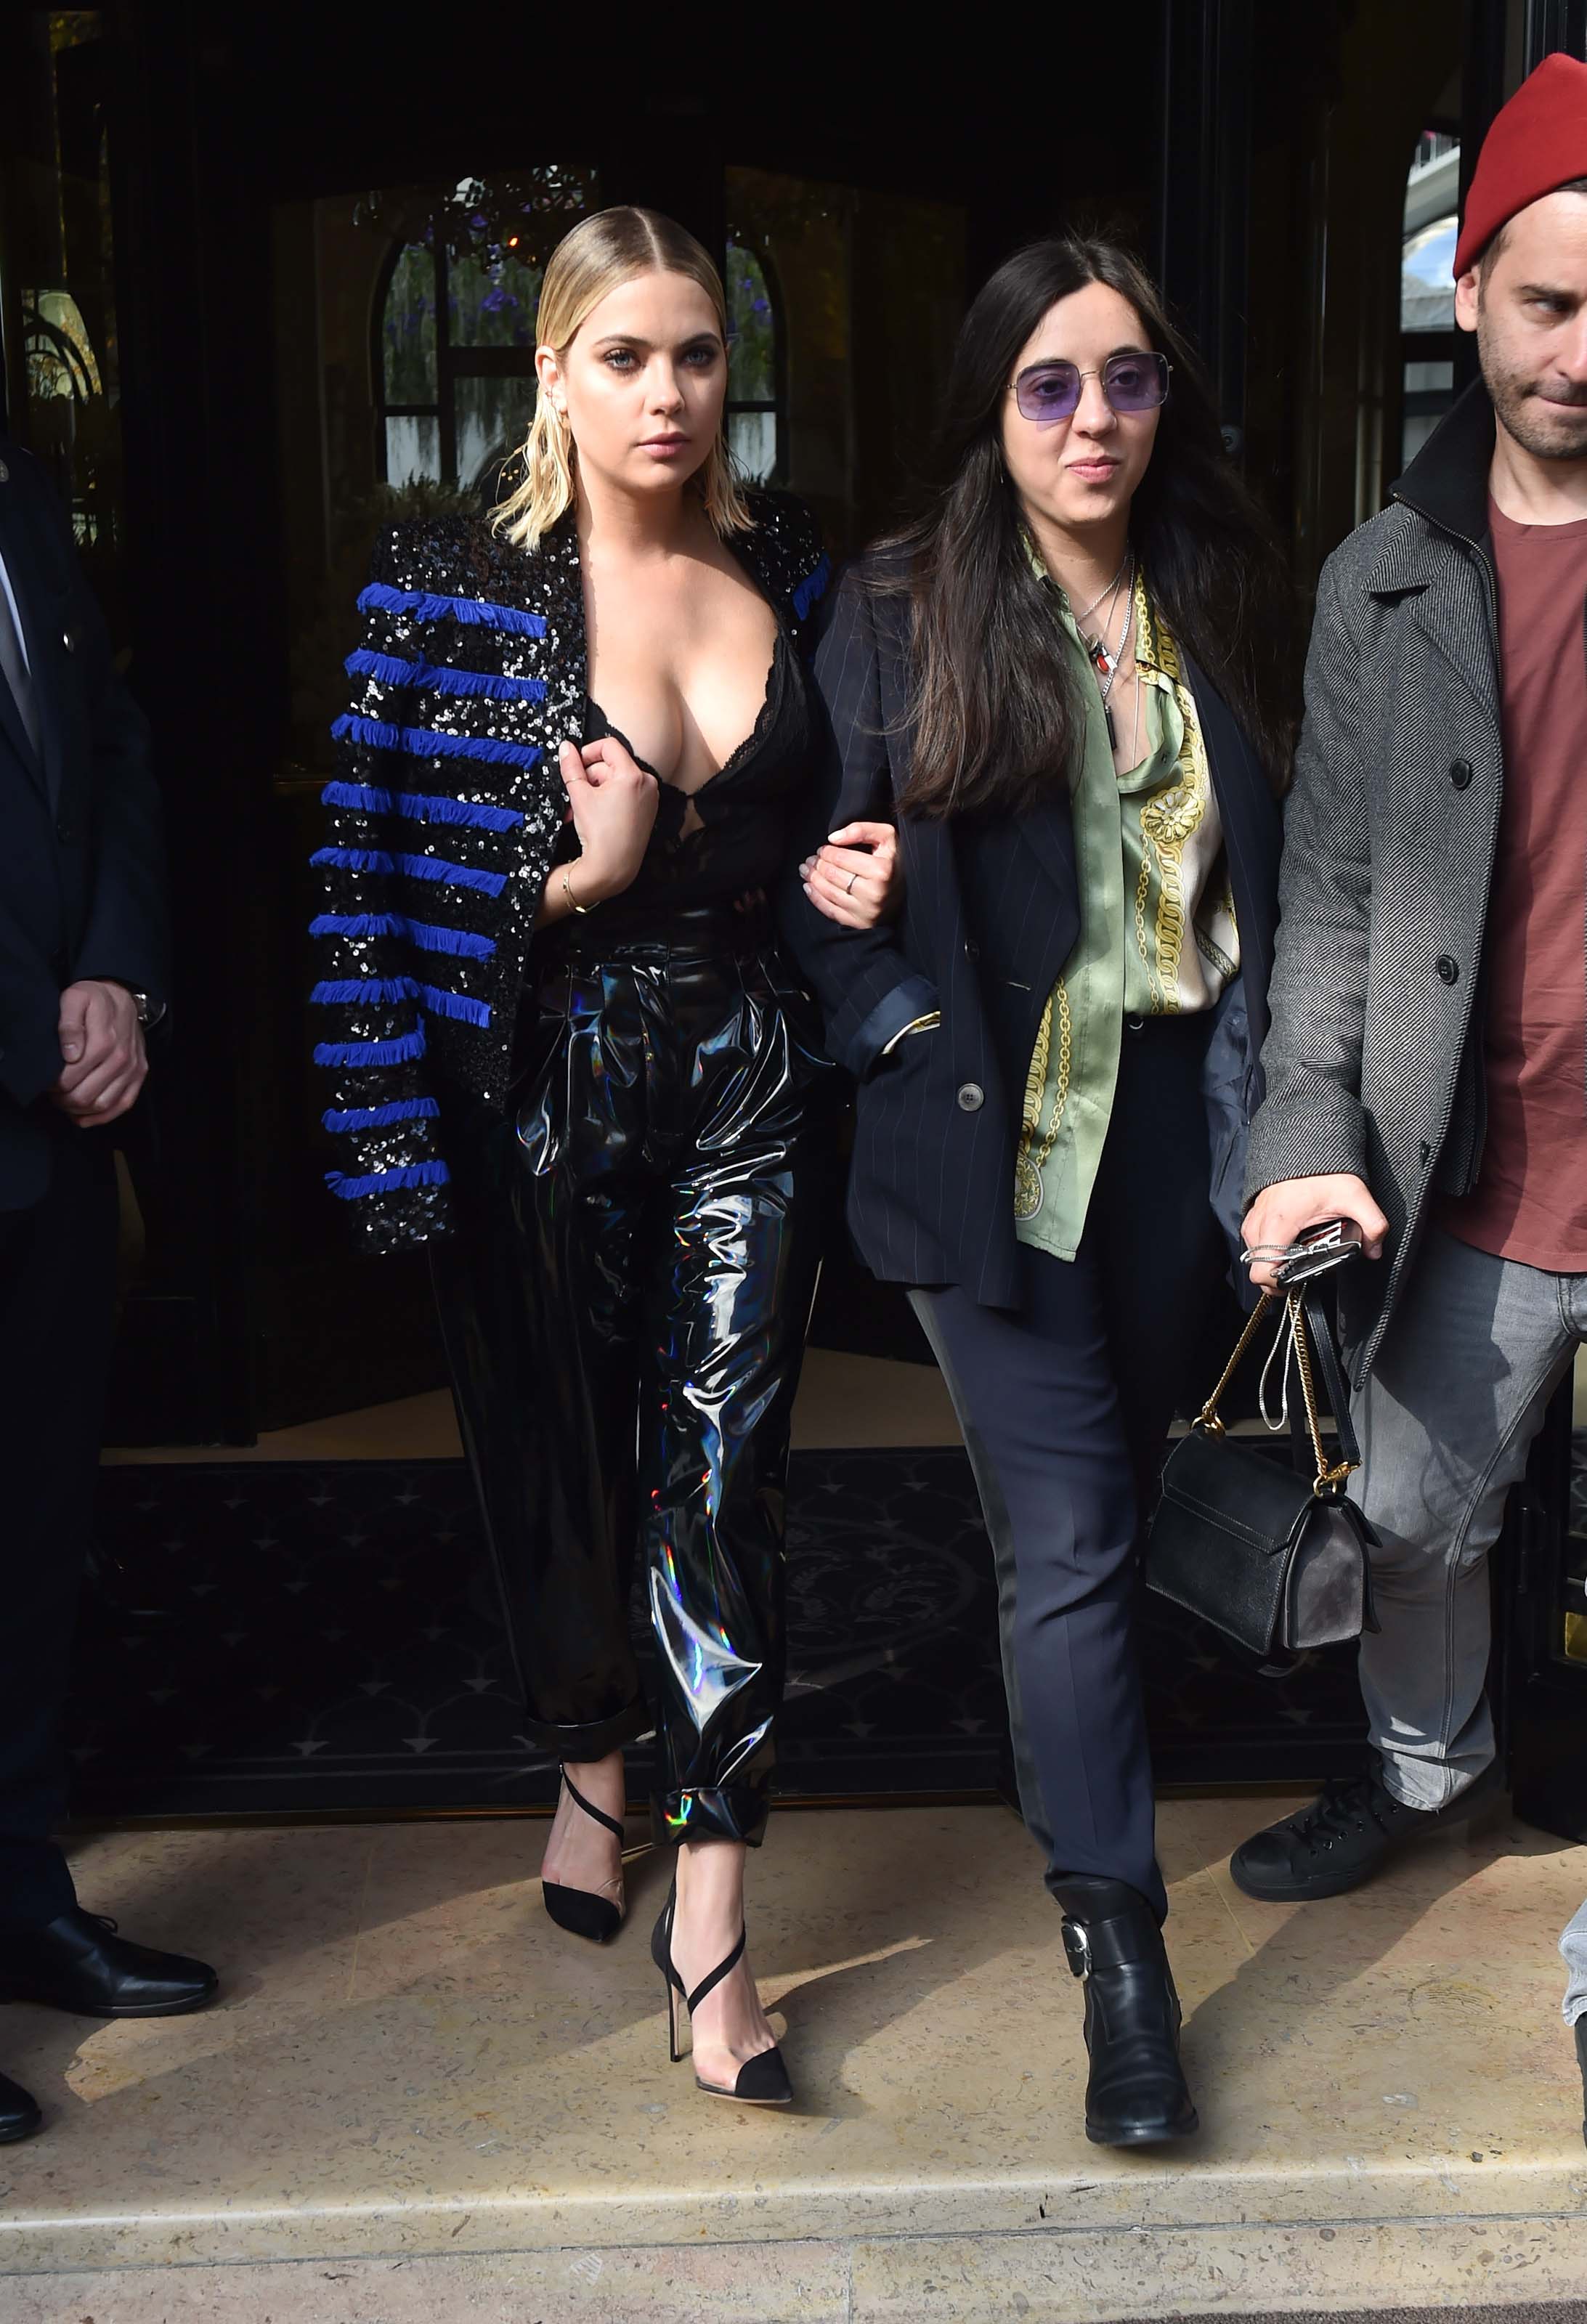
[1284, 1210]
[101, 1044]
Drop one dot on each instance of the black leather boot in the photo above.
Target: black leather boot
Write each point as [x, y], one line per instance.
[19, 2114]
[1136, 2094]
[1582, 2062]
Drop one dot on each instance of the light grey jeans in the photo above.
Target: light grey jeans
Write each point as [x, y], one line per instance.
[1477, 1347]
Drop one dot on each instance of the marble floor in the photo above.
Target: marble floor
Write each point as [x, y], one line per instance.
[417, 2101]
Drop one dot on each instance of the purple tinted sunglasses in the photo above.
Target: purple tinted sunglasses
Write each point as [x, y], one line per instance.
[1046, 392]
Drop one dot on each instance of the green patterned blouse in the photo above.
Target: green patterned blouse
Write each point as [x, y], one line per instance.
[1156, 925]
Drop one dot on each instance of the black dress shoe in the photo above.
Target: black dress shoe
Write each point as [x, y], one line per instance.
[1341, 1841]
[1136, 2094]
[1582, 2062]
[19, 2114]
[79, 1962]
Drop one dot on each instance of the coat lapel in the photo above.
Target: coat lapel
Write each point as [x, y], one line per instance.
[17, 549]
[1049, 833]
[1447, 590]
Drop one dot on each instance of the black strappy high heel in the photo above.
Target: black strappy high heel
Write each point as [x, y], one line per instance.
[761, 2080]
[579, 1910]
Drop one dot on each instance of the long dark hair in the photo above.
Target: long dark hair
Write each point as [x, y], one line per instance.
[994, 712]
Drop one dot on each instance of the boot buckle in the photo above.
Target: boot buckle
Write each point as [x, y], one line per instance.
[1078, 1946]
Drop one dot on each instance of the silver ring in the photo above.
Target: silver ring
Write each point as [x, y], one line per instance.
[853, 877]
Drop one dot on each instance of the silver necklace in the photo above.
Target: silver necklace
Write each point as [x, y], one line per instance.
[1106, 665]
[1082, 619]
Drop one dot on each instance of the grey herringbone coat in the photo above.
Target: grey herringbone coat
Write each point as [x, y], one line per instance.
[1373, 1063]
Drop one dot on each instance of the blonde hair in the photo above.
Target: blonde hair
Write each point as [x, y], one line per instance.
[600, 255]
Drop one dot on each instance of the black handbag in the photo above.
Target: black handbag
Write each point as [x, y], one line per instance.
[1277, 1560]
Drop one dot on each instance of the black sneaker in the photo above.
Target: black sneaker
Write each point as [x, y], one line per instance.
[1333, 1846]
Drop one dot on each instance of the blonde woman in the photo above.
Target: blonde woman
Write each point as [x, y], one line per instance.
[567, 1051]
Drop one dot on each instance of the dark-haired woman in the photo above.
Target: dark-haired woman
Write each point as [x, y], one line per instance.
[1070, 680]
[563, 1052]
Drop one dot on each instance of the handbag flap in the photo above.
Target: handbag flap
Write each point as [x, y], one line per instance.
[1239, 1490]
[1218, 1543]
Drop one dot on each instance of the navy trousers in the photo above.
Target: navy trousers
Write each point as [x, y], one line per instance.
[1065, 1406]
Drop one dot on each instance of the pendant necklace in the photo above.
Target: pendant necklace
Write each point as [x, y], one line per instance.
[1106, 664]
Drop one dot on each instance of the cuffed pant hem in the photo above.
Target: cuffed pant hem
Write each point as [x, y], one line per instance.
[1429, 1785]
[734, 1811]
[1149, 1886]
[594, 1739]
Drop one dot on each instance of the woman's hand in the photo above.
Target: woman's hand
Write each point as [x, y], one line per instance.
[613, 802]
[856, 878]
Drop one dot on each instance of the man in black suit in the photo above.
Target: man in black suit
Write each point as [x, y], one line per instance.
[83, 971]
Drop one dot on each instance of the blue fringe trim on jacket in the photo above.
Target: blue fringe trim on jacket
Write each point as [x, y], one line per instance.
[418, 807]
[812, 588]
[454, 1004]
[421, 933]
[414, 867]
[440, 678]
[380, 1182]
[455, 875]
[368, 993]
[429, 743]
[380, 1116]
[395, 1052]
[474, 613]
[355, 991]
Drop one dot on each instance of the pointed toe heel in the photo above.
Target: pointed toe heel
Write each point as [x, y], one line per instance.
[581, 1913]
[760, 2080]
[580, 1910]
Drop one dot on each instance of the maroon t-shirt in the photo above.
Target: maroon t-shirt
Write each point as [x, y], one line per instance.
[1530, 1200]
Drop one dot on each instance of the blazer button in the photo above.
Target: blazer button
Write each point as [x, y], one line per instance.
[971, 1097]
[68, 639]
[1460, 774]
[1446, 968]
[65, 831]
[971, 949]
[1425, 1153]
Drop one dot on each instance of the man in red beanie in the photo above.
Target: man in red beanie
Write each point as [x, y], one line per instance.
[1427, 1071]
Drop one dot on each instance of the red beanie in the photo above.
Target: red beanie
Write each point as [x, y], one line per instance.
[1538, 142]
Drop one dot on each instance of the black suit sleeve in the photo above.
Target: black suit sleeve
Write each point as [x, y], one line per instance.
[30, 1018]
[863, 978]
[126, 933]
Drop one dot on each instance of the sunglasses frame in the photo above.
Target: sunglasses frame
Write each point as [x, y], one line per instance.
[1165, 372]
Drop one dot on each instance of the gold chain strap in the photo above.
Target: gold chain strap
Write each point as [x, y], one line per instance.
[1329, 1476]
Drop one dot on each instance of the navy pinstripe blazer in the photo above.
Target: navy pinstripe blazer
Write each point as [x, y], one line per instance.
[992, 912]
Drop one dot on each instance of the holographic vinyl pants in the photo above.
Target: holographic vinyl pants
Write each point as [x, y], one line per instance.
[624, 1312]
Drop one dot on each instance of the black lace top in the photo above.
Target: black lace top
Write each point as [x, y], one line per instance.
[742, 832]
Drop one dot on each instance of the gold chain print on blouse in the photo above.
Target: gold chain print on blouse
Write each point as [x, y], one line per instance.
[1028, 1166]
[1167, 823]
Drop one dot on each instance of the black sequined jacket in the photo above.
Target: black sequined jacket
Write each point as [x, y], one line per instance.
[443, 816]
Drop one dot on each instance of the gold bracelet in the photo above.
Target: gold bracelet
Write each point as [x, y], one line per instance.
[573, 901]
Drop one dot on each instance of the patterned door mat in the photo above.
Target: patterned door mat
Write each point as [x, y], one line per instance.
[272, 1636]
